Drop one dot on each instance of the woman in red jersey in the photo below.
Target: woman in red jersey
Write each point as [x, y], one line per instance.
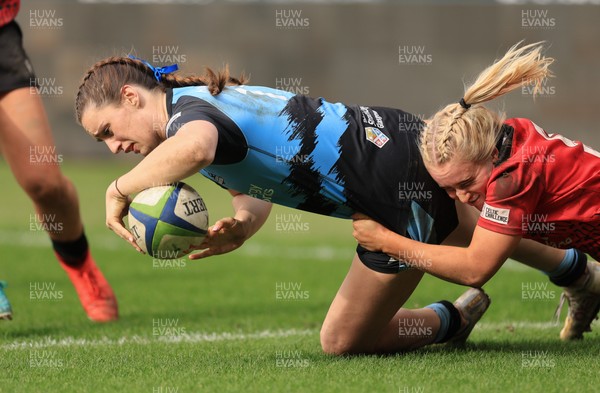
[27, 145]
[525, 182]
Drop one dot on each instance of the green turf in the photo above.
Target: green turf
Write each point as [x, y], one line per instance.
[243, 338]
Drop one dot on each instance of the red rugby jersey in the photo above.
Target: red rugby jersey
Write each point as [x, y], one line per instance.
[8, 10]
[546, 188]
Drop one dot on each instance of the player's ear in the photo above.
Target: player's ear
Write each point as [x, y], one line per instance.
[130, 96]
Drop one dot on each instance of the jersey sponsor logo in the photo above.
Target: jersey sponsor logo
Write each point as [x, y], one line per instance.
[217, 179]
[495, 214]
[266, 194]
[376, 137]
[371, 117]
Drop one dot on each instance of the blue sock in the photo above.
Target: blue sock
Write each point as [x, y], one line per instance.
[444, 315]
[570, 268]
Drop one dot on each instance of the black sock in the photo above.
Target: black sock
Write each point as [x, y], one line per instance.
[72, 253]
[455, 320]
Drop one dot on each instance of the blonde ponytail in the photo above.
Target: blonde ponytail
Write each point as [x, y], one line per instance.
[469, 130]
[519, 66]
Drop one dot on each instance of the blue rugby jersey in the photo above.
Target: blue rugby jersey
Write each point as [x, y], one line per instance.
[313, 155]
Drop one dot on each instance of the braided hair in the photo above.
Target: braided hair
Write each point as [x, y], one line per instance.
[468, 130]
[101, 84]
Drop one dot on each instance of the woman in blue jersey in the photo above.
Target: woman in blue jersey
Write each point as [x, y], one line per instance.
[345, 159]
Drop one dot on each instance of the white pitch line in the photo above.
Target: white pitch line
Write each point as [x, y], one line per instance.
[190, 338]
[195, 338]
[517, 325]
[251, 249]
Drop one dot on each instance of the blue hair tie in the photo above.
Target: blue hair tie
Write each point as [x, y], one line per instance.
[158, 71]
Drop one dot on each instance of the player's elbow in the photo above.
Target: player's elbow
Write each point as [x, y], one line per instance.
[475, 280]
[202, 156]
[477, 276]
[477, 269]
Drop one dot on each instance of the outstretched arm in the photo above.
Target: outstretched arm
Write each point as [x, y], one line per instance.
[473, 265]
[230, 233]
[182, 155]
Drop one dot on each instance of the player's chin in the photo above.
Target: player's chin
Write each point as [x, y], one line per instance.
[144, 151]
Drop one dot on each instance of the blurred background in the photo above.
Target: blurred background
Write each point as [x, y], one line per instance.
[405, 54]
[413, 55]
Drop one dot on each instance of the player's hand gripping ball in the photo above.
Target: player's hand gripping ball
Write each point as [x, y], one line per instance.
[168, 221]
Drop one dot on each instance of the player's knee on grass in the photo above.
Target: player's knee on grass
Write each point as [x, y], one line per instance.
[334, 342]
[340, 339]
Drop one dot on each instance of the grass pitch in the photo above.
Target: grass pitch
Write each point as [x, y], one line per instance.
[249, 321]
